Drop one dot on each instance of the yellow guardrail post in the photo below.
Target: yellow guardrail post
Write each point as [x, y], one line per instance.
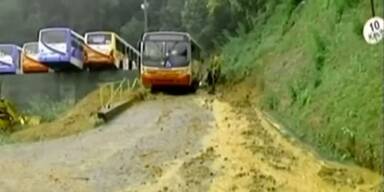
[101, 95]
[112, 94]
[134, 83]
[116, 90]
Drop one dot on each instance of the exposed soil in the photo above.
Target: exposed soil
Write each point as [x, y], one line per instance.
[178, 143]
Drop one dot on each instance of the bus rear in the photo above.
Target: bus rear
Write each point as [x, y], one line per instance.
[29, 59]
[166, 59]
[10, 59]
[99, 49]
[61, 49]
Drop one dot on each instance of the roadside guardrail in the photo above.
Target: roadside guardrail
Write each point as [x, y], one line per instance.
[113, 99]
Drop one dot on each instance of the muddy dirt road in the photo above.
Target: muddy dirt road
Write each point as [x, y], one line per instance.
[184, 143]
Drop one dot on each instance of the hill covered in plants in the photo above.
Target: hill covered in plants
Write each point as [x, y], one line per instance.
[303, 61]
[307, 64]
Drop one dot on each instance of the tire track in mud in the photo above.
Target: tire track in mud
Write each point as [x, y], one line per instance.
[245, 152]
[265, 160]
[134, 149]
[260, 159]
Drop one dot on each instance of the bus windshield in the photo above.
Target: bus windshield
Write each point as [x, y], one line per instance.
[6, 51]
[99, 39]
[6, 55]
[52, 37]
[162, 53]
[31, 48]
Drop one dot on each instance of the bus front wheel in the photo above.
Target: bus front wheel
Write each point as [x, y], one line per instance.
[194, 86]
[155, 90]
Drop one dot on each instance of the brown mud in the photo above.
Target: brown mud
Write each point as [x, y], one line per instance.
[193, 143]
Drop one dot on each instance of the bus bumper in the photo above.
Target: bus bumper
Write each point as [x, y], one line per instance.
[94, 59]
[166, 79]
[33, 67]
[9, 70]
[61, 63]
[54, 59]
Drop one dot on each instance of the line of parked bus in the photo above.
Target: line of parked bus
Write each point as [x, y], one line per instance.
[164, 58]
[62, 49]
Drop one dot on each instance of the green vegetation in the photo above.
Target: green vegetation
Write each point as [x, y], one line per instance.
[312, 68]
[80, 118]
[318, 75]
[4, 139]
[46, 109]
[23, 18]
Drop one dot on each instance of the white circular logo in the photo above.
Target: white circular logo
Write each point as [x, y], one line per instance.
[374, 30]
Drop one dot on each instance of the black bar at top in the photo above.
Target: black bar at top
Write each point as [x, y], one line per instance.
[373, 8]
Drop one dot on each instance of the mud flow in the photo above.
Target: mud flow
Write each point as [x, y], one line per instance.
[190, 143]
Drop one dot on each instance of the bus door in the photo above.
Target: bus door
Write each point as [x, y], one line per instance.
[77, 51]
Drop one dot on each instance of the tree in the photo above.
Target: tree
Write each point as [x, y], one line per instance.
[171, 16]
[132, 31]
[204, 19]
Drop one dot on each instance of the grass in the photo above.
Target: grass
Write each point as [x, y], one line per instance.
[4, 139]
[80, 118]
[48, 110]
[319, 76]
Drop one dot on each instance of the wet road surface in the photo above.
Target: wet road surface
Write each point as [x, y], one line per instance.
[177, 143]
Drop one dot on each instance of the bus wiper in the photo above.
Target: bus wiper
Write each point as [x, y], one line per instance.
[52, 49]
[5, 63]
[164, 55]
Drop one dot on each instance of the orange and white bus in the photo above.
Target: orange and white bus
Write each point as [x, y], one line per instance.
[29, 59]
[108, 50]
[171, 59]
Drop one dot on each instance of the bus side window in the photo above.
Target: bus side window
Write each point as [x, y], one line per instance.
[81, 43]
[195, 52]
[119, 46]
[117, 43]
[74, 42]
[74, 47]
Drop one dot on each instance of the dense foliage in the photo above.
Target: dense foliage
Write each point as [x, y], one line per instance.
[20, 20]
[317, 74]
[309, 66]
